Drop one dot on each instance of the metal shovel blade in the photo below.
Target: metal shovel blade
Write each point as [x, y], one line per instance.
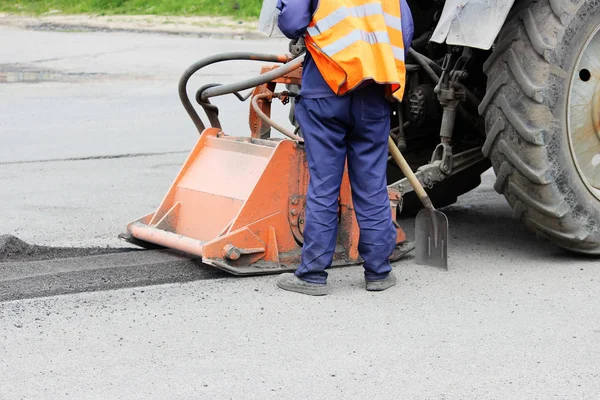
[431, 243]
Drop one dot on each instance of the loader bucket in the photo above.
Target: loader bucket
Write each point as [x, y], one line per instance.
[239, 204]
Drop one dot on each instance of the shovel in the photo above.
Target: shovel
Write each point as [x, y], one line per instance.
[431, 226]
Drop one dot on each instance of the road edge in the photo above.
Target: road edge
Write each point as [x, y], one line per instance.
[204, 27]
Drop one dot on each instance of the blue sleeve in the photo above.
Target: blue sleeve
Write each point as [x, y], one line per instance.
[408, 26]
[294, 16]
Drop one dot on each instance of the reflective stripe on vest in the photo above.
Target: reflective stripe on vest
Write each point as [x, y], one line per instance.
[357, 35]
[357, 12]
[351, 42]
[342, 13]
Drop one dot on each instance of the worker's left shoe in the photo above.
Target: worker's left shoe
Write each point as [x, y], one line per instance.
[382, 284]
[401, 250]
[294, 284]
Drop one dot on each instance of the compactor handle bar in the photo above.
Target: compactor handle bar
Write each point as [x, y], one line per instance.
[214, 90]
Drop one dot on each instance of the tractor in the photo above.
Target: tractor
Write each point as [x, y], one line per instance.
[512, 85]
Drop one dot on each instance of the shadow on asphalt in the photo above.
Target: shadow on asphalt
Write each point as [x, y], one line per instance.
[492, 230]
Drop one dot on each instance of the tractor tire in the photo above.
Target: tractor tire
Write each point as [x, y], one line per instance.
[536, 126]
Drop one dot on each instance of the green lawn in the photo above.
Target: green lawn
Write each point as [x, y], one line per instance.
[235, 8]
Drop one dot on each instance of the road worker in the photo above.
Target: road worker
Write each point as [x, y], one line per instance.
[353, 67]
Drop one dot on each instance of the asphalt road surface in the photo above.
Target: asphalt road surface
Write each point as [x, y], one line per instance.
[91, 135]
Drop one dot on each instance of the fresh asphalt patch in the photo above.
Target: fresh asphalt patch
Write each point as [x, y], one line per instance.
[28, 271]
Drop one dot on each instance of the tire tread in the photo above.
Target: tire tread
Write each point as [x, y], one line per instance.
[516, 143]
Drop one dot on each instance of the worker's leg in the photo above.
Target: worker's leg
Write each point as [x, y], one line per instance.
[324, 123]
[367, 164]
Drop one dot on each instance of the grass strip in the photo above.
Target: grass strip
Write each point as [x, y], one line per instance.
[247, 9]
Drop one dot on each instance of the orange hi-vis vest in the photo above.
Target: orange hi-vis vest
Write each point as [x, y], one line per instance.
[355, 40]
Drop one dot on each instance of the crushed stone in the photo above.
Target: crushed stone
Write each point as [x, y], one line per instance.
[14, 249]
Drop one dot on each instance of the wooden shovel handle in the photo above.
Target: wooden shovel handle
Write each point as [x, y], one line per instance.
[410, 175]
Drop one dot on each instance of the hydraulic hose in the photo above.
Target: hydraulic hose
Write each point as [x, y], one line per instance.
[253, 82]
[424, 63]
[212, 111]
[276, 125]
[192, 69]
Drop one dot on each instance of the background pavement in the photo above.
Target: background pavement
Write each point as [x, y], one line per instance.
[104, 108]
[514, 318]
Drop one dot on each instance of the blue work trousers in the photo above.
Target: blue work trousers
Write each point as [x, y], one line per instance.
[353, 127]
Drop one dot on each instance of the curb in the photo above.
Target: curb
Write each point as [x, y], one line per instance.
[208, 34]
[217, 28]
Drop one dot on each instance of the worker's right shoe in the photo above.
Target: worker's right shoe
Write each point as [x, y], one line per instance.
[382, 284]
[294, 284]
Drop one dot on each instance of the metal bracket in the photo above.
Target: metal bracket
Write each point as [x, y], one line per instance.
[427, 175]
[443, 154]
[430, 174]
[396, 201]
[297, 47]
[260, 129]
[297, 209]
[450, 93]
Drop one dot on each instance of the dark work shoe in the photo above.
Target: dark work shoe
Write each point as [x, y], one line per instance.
[294, 284]
[382, 284]
[401, 250]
